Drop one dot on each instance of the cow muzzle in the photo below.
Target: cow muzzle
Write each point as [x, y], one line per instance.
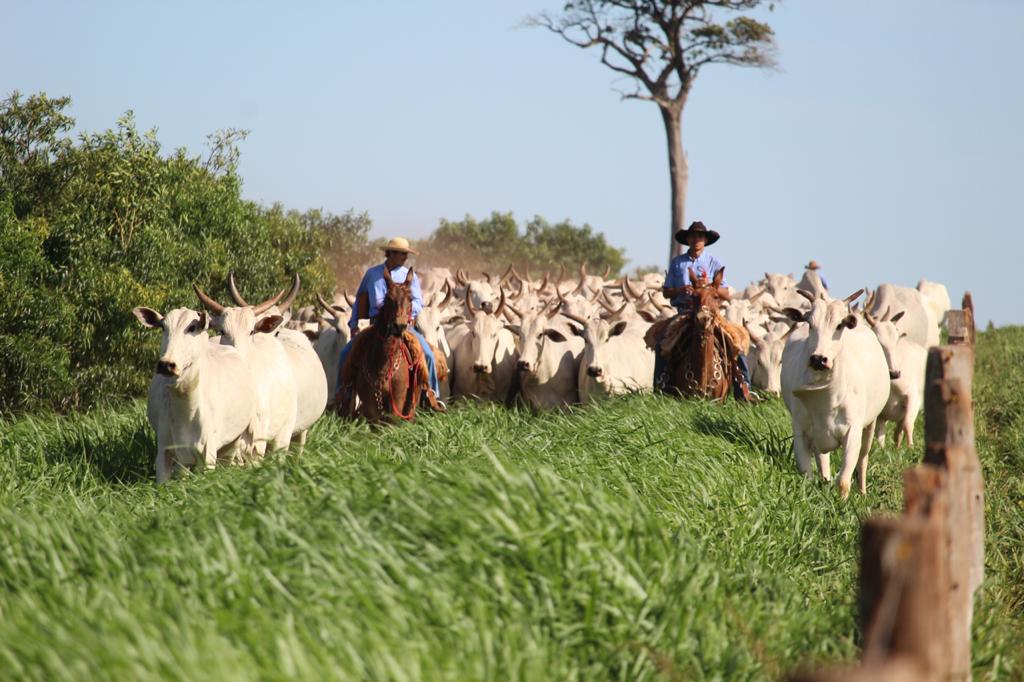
[167, 368]
[523, 366]
[481, 369]
[894, 374]
[593, 371]
[819, 362]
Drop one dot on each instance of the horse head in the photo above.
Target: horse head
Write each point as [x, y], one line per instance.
[706, 297]
[396, 312]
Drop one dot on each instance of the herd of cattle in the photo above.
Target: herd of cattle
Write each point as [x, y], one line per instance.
[843, 370]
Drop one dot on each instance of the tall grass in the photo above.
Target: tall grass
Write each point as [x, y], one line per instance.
[643, 538]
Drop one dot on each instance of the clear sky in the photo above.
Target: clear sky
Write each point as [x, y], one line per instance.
[888, 146]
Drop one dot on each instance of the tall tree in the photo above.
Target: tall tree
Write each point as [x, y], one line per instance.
[662, 46]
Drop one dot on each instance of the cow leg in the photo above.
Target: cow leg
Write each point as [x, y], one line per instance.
[913, 407]
[862, 463]
[851, 457]
[164, 465]
[802, 452]
[880, 432]
[300, 438]
[825, 466]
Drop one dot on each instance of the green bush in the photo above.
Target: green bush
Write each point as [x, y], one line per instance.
[91, 229]
[495, 242]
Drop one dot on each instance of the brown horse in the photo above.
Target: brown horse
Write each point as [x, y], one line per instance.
[385, 366]
[702, 360]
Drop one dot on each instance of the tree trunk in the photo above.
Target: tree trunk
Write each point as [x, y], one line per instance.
[678, 171]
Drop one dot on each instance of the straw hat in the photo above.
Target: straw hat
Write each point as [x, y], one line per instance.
[813, 265]
[400, 244]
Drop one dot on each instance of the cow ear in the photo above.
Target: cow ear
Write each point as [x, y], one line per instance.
[850, 322]
[204, 320]
[455, 320]
[267, 324]
[794, 314]
[618, 329]
[149, 317]
[514, 328]
[647, 315]
[719, 276]
[896, 318]
[555, 336]
[311, 335]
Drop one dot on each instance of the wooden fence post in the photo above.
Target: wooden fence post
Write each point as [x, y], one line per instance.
[949, 444]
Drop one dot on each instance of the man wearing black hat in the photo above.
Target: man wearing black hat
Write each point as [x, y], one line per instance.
[678, 291]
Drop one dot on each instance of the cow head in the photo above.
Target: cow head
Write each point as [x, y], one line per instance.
[766, 359]
[828, 319]
[238, 325]
[534, 331]
[431, 318]
[184, 339]
[889, 336]
[596, 334]
[484, 328]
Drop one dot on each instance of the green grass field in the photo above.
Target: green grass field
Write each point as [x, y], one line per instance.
[645, 538]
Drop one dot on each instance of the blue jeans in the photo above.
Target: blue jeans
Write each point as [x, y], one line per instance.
[435, 385]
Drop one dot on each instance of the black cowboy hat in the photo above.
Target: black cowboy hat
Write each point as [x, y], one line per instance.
[697, 227]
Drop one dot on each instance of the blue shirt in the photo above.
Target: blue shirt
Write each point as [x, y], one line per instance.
[705, 265]
[376, 288]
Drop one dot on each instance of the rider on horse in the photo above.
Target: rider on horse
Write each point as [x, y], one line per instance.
[370, 296]
[680, 293]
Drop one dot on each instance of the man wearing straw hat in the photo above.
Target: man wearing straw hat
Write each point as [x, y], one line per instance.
[370, 297]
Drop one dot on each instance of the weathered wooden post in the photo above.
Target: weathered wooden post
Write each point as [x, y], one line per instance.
[949, 444]
[960, 323]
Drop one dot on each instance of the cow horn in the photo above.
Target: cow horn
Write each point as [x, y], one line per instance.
[543, 283]
[447, 296]
[758, 294]
[460, 278]
[607, 271]
[233, 290]
[487, 276]
[849, 299]
[501, 303]
[514, 310]
[561, 275]
[349, 298]
[583, 269]
[578, 320]
[469, 303]
[519, 294]
[208, 303]
[870, 318]
[806, 294]
[263, 307]
[888, 313]
[527, 273]
[508, 273]
[323, 303]
[287, 302]
[605, 305]
[554, 309]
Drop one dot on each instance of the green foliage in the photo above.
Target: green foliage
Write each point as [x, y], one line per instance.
[496, 241]
[642, 538]
[90, 230]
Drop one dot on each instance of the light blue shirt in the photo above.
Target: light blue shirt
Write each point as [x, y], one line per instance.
[679, 267]
[376, 288]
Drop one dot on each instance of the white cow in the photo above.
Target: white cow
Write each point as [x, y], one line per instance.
[274, 418]
[615, 359]
[549, 356]
[430, 323]
[485, 354]
[917, 320]
[936, 298]
[835, 383]
[907, 362]
[765, 357]
[311, 385]
[201, 397]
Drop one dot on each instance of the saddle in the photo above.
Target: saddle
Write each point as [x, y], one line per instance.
[360, 345]
[670, 331]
